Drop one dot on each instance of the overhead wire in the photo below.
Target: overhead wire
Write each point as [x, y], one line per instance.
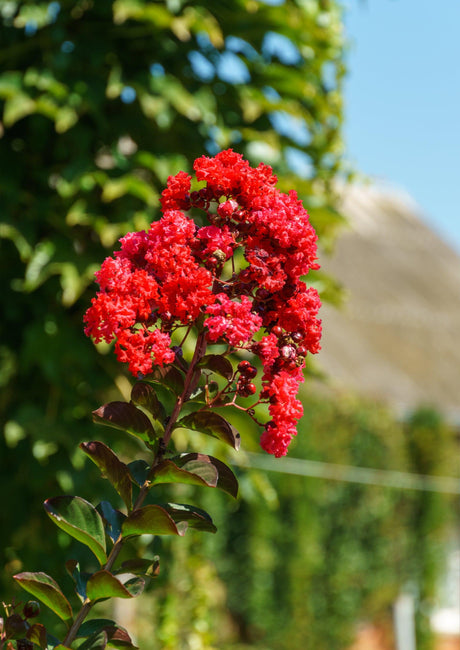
[351, 473]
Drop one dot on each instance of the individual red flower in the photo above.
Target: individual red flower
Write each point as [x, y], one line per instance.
[176, 195]
[267, 349]
[142, 348]
[215, 241]
[231, 320]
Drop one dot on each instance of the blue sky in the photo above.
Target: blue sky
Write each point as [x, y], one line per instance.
[402, 121]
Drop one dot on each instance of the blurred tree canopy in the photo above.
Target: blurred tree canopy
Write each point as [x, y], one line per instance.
[99, 102]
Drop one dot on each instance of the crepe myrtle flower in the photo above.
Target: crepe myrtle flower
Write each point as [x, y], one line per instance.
[233, 272]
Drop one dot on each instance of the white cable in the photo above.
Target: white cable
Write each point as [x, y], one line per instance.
[351, 474]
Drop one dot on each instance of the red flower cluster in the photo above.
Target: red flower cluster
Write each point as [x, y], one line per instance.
[233, 270]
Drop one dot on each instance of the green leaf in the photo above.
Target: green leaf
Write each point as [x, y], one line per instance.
[168, 472]
[93, 626]
[195, 517]
[37, 634]
[125, 416]
[194, 404]
[104, 584]
[143, 567]
[117, 636]
[111, 467]
[80, 579]
[97, 641]
[114, 519]
[14, 626]
[80, 520]
[120, 639]
[168, 376]
[43, 587]
[152, 520]
[133, 583]
[213, 425]
[53, 643]
[218, 364]
[144, 395]
[197, 464]
[139, 470]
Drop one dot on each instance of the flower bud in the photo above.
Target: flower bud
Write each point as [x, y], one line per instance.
[31, 609]
[263, 294]
[250, 372]
[302, 351]
[219, 255]
[227, 208]
[288, 352]
[240, 215]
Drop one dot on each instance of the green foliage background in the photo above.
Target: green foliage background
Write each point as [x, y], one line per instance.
[99, 103]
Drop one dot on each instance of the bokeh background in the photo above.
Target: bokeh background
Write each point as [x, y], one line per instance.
[99, 103]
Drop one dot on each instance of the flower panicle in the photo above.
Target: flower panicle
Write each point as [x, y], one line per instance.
[234, 270]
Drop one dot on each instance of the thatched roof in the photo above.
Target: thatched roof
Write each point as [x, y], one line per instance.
[397, 338]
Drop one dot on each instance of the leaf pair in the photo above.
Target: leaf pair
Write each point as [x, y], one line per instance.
[192, 469]
[168, 519]
[82, 521]
[128, 417]
[197, 469]
[102, 631]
